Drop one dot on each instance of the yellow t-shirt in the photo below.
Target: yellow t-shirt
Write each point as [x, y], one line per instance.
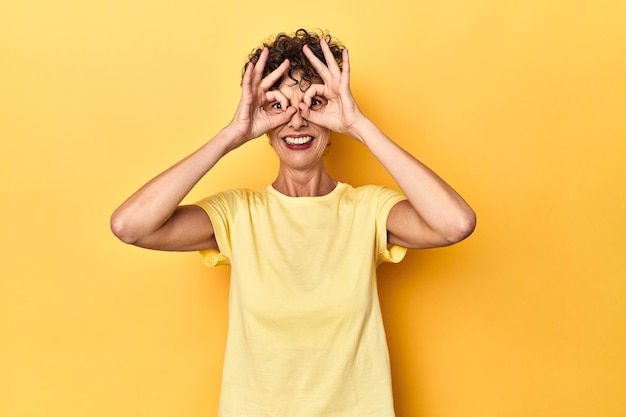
[305, 336]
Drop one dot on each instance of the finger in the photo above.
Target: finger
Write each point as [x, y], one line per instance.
[247, 76]
[345, 69]
[282, 118]
[310, 115]
[274, 96]
[330, 58]
[313, 91]
[275, 75]
[260, 66]
[305, 110]
[317, 64]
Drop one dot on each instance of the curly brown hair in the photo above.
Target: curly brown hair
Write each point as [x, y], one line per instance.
[289, 46]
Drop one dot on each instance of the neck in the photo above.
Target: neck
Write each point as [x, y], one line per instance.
[310, 183]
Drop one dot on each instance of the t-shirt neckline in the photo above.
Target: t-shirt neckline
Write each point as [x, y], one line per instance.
[271, 190]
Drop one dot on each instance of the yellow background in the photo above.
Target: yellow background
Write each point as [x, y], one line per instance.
[520, 105]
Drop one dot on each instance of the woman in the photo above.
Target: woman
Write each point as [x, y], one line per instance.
[305, 333]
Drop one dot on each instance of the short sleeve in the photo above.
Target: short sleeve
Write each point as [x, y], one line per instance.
[220, 208]
[386, 198]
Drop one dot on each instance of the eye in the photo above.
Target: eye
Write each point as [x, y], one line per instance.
[273, 107]
[317, 102]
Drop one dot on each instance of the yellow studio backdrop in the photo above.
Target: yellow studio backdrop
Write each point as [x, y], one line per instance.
[519, 105]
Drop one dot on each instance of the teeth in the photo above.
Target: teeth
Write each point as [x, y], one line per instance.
[298, 141]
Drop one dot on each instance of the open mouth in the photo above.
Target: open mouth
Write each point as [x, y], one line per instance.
[295, 141]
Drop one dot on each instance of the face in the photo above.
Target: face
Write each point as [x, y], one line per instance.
[299, 142]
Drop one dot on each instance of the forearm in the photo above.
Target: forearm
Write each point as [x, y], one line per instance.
[152, 205]
[440, 207]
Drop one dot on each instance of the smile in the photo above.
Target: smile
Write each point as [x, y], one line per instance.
[298, 141]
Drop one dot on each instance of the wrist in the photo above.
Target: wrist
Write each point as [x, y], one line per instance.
[362, 129]
[231, 137]
[225, 140]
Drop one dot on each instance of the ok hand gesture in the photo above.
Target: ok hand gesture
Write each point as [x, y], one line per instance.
[251, 119]
[339, 111]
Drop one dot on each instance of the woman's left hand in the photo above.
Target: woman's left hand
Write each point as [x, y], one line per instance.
[338, 110]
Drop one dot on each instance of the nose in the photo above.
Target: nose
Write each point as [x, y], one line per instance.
[297, 121]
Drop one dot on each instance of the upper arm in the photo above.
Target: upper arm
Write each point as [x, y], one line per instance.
[188, 229]
[406, 228]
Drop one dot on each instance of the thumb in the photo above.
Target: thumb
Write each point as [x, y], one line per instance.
[283, 117]
[309, 114]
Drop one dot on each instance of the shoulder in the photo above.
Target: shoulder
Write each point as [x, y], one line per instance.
[229, 201]
[232, 196]
[374, 192]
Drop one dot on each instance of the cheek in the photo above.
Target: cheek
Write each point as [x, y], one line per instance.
[272, 135]
[324, 137]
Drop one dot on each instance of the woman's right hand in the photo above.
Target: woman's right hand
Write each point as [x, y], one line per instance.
[252, 119]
